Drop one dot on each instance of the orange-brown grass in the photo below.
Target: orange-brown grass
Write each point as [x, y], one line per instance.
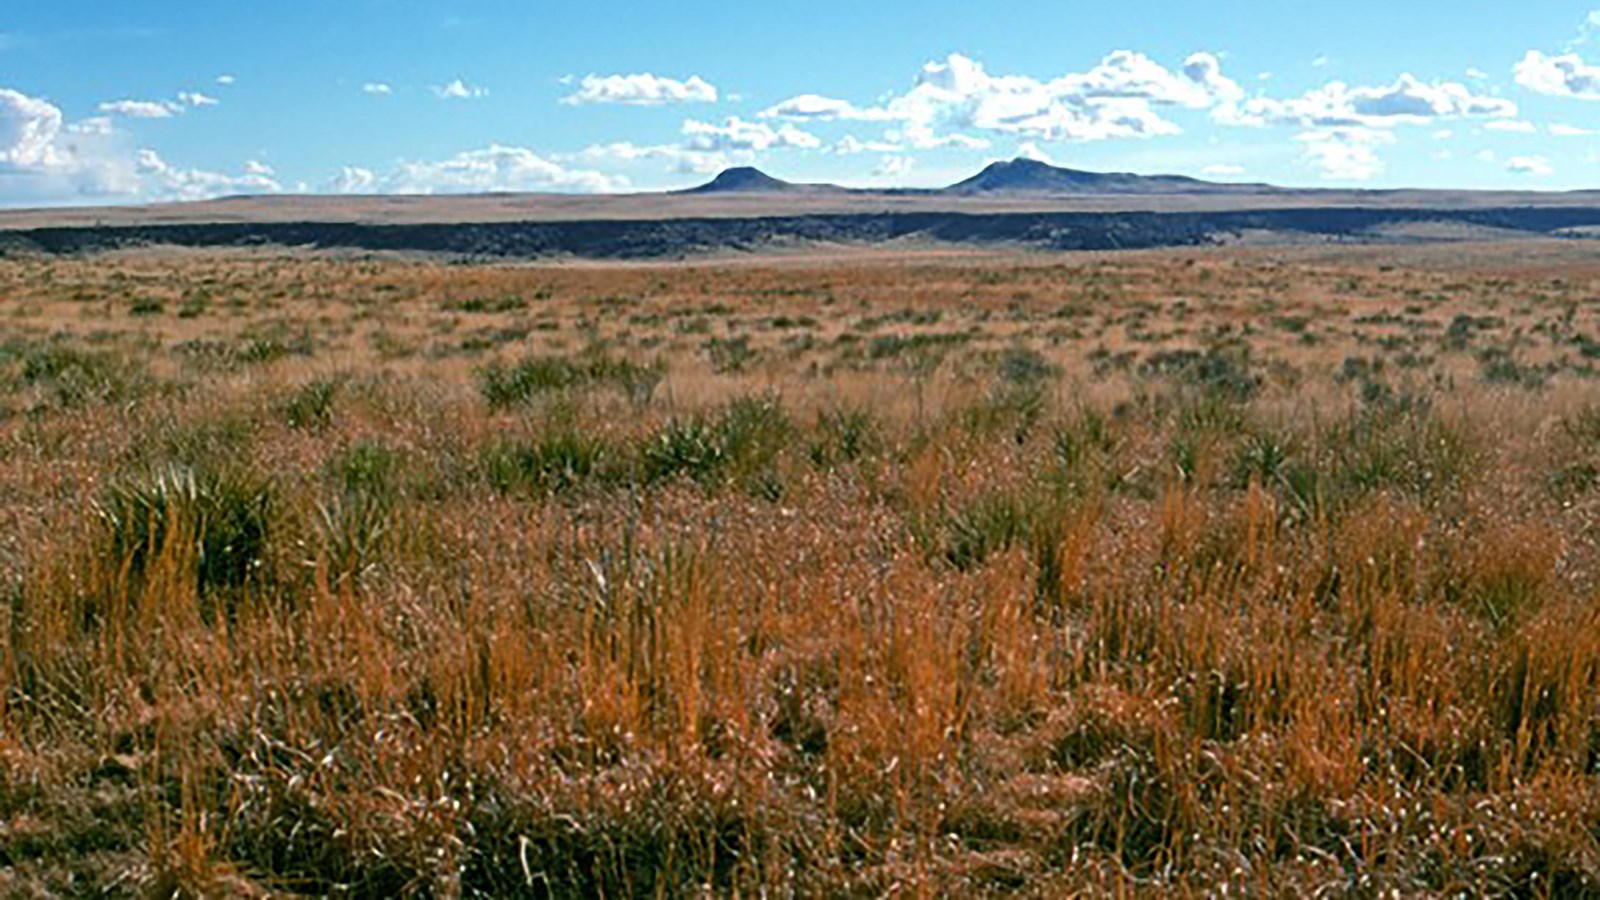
[1146, 574]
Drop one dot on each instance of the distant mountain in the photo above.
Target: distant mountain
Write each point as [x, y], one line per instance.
[1030, 176]
[1019, 176]
[750, 180]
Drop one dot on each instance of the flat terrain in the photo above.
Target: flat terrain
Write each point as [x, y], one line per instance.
[419, 210]
[1016, 205]
[1260, 570]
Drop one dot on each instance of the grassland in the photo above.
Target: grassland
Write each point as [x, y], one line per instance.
[1254, 571]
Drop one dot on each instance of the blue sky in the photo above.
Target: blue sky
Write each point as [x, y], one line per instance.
[159, 100]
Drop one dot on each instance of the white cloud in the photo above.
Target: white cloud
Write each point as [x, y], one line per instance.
[850, 144]
[1206, 70]
[1337, 105]
[1222, 169]
[1512, 126]
[1345, 154]
[460, 90]
[141, 109]
[99, 126]
[709, 147]
[1587, 30]
[1030, 150]
[45, 160]
[193, 98]
[738, 134]
[1116, 98]
[807, 107]
[256, 167]
[1477, 74]
[1127, 75]
[680, 159]
[377, 88]
[894, 167]
[641, 90]
[1529, 165]
[28, 130]
[922, 137]
[353, 180]
[1559, 76]
[166, 182]
[491, 169]
[226, 79]
[1560, 130]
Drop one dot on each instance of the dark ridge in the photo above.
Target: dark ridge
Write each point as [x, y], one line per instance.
[680, 238]
[1030, 176]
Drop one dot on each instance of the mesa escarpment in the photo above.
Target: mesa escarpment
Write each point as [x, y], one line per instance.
[1019, 203]
[671, 238]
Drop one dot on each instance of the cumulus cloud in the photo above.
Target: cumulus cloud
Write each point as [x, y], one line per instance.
[46, 160]
[1560, 130]
[491, 169]
[28, 130]
[158, 109]
[679, 158]
[1529, 165]
[813, 107]
[98, 126]
[1337, 105]
[226, 79]
[1118, 97]
[1511, 126]
[141, 109]
[894, 167]
[709, 147]
[167, 182]
[1205, 70]
[460, 90]
[850, 145]
[1030, 150]
[353, 180]
[256, 167]
[641, 90]
[1345, 154]
[738, 134]
[1559, 76]
[376, 88]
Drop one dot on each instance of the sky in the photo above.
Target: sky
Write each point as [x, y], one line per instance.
[160, 100]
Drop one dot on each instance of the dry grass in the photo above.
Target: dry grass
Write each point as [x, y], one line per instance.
[1147, 575]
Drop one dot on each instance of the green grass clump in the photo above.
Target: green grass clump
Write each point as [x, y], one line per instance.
[217, 523]
[742, 445]
[555, 462]
[310, 407]
[67, 376]
[355, 520]
[843, 436]
[1224, 369]
[990, 524]
[504, 386]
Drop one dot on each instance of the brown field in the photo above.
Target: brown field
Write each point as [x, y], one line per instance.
[1257, 571]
